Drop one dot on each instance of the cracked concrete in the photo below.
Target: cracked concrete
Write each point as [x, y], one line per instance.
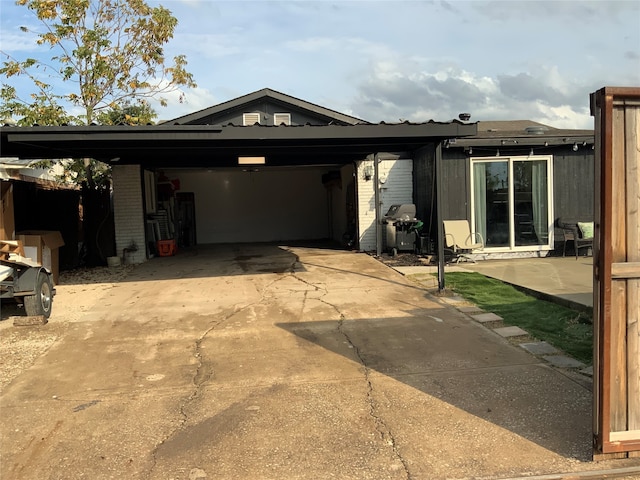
[259, 361]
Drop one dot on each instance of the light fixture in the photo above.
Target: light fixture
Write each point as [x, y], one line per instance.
[531, 152]
[251, 160]
[498, 152]
[546, 144]
[368, 172]
[575, 147]
[470, 150]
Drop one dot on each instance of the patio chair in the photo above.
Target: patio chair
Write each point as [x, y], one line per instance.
[573, 234]
[459, 240]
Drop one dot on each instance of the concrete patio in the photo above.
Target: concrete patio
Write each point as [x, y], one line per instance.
[563, 280]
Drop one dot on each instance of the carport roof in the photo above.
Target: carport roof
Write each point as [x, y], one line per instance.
[219, 146]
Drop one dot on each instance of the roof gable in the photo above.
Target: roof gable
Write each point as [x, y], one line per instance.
[266, 102]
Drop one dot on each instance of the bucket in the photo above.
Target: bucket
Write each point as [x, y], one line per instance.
[114, 261]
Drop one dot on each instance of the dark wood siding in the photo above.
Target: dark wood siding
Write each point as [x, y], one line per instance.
[573, 192]
[454, 189]
[424, 188]
[455, 192]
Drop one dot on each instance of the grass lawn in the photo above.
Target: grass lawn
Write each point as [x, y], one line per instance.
[566, 329]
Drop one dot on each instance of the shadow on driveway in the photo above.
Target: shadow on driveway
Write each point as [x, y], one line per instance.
[470, 368]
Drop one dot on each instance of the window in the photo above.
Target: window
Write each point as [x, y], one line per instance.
[250, 118]
[512, 203]
[280, 118]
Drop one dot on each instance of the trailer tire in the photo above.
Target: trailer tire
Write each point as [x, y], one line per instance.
[41, 301]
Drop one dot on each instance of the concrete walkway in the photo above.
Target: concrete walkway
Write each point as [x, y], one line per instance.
[564, 280]
[266, 362]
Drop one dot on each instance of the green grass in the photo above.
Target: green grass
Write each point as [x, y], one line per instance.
[566, 329]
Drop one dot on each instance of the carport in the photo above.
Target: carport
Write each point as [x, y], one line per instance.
[286, 153]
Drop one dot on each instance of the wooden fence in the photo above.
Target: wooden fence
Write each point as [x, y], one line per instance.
[617, 273]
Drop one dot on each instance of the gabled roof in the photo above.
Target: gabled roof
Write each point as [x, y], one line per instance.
[267, 94]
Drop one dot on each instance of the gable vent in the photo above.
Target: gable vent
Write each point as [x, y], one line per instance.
[280, 118]
[250, 118]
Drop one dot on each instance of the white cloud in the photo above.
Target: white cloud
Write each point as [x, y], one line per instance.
[390, 93]
[403, 59]
[194, 99]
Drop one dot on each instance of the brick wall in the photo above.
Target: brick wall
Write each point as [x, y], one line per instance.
[128, 212]
[396, 187]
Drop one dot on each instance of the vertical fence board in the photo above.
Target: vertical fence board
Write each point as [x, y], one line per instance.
[632, 153]
[618, 357]
[617, 214]
[598, 335]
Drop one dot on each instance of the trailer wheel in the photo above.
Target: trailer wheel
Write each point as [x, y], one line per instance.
[41, 302]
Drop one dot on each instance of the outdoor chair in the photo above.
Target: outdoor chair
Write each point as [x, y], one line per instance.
[459, 241]
[573, 233]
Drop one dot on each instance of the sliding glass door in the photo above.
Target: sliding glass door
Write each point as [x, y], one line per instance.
[511, 199]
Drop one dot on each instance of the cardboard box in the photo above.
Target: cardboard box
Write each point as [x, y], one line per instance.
[42, 246]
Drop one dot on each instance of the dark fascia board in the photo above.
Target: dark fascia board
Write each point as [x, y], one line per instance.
[164, 132]
[114, 133]
[199, 141]
[529, 140]
[270, 94]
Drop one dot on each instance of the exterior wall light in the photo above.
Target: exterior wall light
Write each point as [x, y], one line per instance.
[368, 172]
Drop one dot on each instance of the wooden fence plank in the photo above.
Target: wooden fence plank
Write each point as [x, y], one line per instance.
[628, 435]
[625, 270]
[632, 149]
[633, 355]
[618, 357]
[618, 324]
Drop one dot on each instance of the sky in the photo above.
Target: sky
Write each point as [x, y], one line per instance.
[396, 60]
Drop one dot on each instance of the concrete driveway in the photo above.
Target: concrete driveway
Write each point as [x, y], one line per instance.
[260, 362]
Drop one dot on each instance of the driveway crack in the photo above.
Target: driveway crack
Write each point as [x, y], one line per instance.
[201, 376]
[385, 433]
[381, 427]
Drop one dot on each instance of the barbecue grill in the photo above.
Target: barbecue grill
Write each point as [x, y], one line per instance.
[401, 227]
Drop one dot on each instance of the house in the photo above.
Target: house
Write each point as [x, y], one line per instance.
[513, 181]
[262, 167]
[271, 167]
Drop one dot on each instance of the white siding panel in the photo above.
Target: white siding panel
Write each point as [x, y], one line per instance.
[396, 188]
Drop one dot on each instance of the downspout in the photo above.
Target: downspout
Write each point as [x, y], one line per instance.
[440, 228]
[376, 199]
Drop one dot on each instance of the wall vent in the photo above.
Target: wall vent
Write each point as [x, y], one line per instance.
[250, 118]
[282, 118]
